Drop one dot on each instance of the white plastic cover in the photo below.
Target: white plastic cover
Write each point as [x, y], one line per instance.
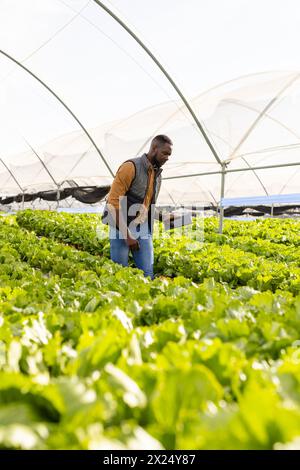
[79, 95]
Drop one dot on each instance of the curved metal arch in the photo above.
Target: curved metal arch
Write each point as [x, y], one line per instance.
[53, 156]
[288, 181]
[281, 124]
[242, 105]
[12, 175]
[6, 181]
[165, 73]
[261, 115]
[42, 167]
[255, 174]
[237, 103]
[247, 163]
[41, 161]
[278, 148]
[5, 54]
[243, 158]
[251, 108]
[236, 170]
[240, 77]
[208, 190]
[77, 163]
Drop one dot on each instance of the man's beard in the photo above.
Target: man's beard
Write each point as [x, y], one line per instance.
[156, 162]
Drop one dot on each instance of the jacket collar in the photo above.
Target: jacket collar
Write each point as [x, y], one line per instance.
[145, 161]
[147, 164]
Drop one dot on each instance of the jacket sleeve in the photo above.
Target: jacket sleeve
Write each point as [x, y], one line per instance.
[122, 182]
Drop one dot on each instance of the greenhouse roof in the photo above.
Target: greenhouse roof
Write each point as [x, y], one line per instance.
[85, 85]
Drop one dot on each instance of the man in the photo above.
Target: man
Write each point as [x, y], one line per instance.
[131, 205]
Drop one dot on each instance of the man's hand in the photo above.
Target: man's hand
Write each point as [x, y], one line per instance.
[132, 243]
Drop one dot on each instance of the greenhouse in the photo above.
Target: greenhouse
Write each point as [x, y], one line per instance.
[204, 353]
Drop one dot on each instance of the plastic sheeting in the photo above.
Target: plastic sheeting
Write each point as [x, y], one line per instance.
[79, 95]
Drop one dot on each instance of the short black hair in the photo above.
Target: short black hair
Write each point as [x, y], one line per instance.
[162, 139]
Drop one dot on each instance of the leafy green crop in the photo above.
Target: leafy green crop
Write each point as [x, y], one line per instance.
[93, 355]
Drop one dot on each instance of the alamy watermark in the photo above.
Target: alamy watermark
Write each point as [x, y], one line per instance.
[139, 222]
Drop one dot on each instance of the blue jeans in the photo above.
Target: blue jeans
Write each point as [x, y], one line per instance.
[143, 258]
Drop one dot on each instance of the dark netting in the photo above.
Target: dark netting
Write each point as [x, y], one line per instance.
[90, 195]
[85, 194]
[25, 197]
[52, 195]
[7, 200]
[93, 194]
[260, 210]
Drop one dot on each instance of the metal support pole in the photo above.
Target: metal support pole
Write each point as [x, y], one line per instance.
[12, 175]
[166, 74]
[40, 160]
[63, 104]
[272, 210]
[23, 197]
[236, 170]
[221, 213]
[57, 197]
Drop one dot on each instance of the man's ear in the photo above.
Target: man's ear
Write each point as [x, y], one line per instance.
[155, 148]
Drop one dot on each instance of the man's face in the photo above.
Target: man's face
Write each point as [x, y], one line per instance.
[163, 152]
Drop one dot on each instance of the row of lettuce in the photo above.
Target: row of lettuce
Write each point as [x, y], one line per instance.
[93, 355]
[235, 260]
